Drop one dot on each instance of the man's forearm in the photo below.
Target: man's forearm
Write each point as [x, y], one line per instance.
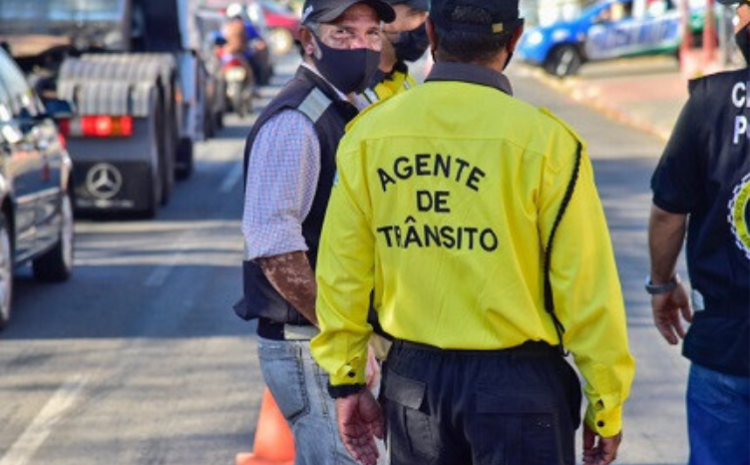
[666, 233]
[292, 276]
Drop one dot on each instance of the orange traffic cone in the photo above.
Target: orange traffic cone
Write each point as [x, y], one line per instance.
[274, 443]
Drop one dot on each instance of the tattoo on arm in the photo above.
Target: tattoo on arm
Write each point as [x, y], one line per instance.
[292, 276]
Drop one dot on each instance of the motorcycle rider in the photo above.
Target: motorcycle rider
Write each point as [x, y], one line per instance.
[242, 39]
[405, 41]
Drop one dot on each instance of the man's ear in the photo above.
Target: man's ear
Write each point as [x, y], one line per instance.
[432, 35]
[306, 39]
[514, 38]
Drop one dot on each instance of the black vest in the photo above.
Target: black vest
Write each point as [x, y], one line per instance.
[313, 97]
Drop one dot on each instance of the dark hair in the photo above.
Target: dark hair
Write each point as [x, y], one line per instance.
[469, 47]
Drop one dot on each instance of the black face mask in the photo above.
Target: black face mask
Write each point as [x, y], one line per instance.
[743, 43]
[348, 70]
[411, 45]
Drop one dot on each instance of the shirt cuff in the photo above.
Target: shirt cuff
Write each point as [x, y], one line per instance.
[349, 374]
[346, 390]
[604, 422]
[273, 241]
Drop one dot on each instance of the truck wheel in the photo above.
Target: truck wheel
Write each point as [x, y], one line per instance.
[564, 61]
[165, 120]
[154, 185]
[57, 264]
[185, 162]
[6, 272]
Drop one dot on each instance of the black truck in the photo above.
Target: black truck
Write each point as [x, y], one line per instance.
[137, 86]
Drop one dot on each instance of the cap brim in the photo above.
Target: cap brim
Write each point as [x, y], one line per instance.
[384, 10]
[421, 5]
[732, 2]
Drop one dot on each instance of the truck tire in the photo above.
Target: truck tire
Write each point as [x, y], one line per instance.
[185, 161]
[6, 271]
[167, 145]
[56, 265]
[154, 186]
[564, 60]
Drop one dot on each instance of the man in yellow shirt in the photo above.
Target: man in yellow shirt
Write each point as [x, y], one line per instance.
[446, 206]
[405, 41]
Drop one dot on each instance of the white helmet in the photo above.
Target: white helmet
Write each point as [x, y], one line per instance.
[235, 10]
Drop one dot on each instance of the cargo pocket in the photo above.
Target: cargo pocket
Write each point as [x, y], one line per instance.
[517, 428]
[283, 371]
[411, 433]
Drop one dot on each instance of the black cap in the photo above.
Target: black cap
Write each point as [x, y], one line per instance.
[733, 2]
[504, 13]
[421, 5]
[326, 11]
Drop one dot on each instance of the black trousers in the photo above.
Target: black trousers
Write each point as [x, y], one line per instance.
[518, 406]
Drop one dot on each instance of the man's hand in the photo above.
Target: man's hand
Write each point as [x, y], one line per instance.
[598, 450]
[360, 420]
[667, 309]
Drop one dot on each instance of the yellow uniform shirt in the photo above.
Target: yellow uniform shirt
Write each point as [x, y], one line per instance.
[398, 82]
[443, 203]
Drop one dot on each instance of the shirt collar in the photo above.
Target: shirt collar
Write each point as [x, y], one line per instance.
[467, 72]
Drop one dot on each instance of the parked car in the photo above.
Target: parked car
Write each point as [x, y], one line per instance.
[36, 209]
[608, 29]
[283, 27]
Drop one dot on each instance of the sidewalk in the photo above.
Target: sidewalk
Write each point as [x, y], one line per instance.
[646, 93]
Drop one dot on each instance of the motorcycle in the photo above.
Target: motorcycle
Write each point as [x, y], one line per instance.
[240, 81]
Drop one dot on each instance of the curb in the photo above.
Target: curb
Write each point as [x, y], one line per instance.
[573, 88]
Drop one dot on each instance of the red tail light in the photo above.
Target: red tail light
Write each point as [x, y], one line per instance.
[64, 125]
[233, 63]
[98, 126]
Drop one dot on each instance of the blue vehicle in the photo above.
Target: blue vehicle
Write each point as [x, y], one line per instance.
[608, 29]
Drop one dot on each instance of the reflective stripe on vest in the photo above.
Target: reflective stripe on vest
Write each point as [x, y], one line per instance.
[315, 105]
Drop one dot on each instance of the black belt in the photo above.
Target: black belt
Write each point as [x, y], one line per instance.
[275, 331]
[527, 349]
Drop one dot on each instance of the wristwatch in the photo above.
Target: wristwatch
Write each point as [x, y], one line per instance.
[658, 289]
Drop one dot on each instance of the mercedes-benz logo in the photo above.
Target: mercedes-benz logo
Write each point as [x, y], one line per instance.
[104, 181]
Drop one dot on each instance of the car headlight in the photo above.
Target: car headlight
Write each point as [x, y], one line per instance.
[534, 38]
[559, 35]
[236, 74]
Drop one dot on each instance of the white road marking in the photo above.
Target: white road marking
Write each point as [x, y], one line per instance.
[233, 177]
[23, 450]
[159, 276]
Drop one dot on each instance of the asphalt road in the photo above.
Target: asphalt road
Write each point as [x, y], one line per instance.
[140, 360]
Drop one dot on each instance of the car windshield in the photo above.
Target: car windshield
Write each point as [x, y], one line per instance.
[60, 9]
[88, 6]
[275, 8]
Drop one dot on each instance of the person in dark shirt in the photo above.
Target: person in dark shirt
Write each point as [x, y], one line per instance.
[702, 189]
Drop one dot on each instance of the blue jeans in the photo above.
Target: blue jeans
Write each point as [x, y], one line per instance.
[718, 408]
[299, 387]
